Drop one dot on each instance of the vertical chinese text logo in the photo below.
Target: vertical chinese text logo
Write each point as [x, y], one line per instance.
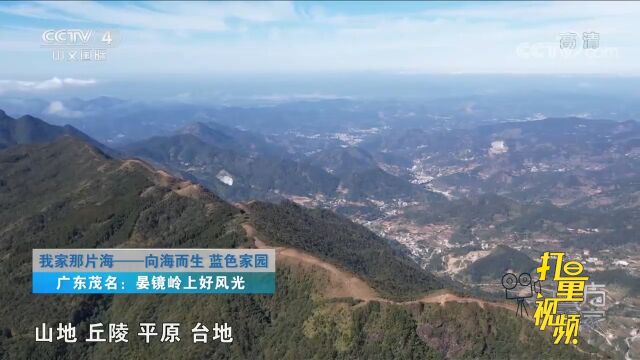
[569, 289]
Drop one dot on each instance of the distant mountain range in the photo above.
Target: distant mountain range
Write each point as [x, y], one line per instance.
[232, 170]
[240, 141]
[560, 160]
[240, 165]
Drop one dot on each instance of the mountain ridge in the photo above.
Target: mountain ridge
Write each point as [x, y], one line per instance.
[76, 196]
[28, 129]
[69, 194]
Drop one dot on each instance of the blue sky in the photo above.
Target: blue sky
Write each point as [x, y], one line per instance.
[212, 39]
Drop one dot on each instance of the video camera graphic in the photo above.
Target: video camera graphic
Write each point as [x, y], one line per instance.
[520, 288]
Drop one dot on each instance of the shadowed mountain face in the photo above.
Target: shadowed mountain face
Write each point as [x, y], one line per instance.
[69, 194]
[28, 129]
[344, 161]
[324, 235]
[234, 139]
[362, 178]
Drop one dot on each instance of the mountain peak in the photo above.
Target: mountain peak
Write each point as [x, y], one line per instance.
[32, 119]
[345, 160]
[29, 129]
[207, 133]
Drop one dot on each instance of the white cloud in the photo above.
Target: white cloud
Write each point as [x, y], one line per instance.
[297, 97]
[59, 109]
[54, 83]
[78, 82]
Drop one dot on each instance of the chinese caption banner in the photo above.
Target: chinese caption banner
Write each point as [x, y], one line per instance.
[153, 271]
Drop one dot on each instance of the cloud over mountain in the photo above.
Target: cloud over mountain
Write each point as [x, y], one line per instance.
[55, 83]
